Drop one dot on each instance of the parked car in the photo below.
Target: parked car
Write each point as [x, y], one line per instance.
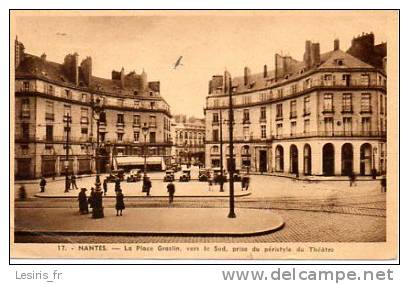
[134, 175]
[120, 173]
[185, 176]
[204, 174]
[169, 176]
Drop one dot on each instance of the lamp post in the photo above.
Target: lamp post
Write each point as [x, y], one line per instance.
[145, 132]
[221, 150]
[98, 209]
[231, 164]
[67, 149]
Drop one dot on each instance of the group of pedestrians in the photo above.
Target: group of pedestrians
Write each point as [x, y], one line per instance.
[70, 182]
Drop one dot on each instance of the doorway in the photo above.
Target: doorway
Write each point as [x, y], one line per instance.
[263, 161]
[347, 156]
[328, 160]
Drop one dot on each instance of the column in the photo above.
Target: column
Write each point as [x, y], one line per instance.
[357, 158]
[316, 158]
[337, 159]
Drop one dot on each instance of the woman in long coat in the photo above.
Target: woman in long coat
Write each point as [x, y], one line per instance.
[120, 205]
[83, 202]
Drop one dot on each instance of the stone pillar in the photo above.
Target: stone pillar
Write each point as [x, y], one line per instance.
[357, 158]
[337, 159]
[300, 148]
[286, 158]
[316, 158]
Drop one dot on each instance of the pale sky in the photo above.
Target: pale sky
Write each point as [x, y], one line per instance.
[209, 42]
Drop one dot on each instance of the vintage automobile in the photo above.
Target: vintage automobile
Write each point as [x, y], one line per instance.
[204, 174]
[218, 176]
[134, 175]
[120, 173]
[169, 176]
[185, 176]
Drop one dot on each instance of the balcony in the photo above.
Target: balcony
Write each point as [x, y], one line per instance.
[347, 110]
[84, 120]
[293, 115]
[379, 134]
[328, 110]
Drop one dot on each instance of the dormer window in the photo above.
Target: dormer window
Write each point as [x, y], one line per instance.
[151, 93]
[135, 93]
[339, 61]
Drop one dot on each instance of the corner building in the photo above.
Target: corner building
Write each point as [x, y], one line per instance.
[323, 116]
[46, 93]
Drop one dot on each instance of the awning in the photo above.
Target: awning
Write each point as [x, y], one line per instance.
[137, 161]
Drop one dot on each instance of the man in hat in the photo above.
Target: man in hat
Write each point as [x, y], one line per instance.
[82, 201]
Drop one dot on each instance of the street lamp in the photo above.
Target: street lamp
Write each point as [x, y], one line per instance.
[231, 164]
[68, 120]
[145, 132]
[98, 210]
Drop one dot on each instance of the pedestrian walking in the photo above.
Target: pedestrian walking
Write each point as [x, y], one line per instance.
[105, 186]
[91, 198]
[74, 182]
[383, 184]
[147, 185]
[82, 201]
[171, 191]
[22, 194]
[210, 184]
[352, 179]
[117, 184]
[43, 183]
[119, 205]
[245, 182]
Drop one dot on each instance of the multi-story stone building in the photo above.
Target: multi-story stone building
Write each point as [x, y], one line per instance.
[324, 115]
[46, 93]
[189, 139]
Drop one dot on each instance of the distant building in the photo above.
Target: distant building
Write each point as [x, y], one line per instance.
[188, 138]
[46, 93]
[324, 115]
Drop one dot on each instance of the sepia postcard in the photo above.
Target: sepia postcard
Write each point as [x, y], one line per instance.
[195, 134]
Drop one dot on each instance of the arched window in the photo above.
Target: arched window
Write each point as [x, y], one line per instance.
[307, 159]
[279, 158]
[328, 160]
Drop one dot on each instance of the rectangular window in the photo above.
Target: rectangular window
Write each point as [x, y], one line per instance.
[152, 121]
[215, 135]
[263, 113]
[306, 126]
[152, 105]
[307, 108]
[120, 118]
[102, 136]
[346, 102]
[280, 93]
[84, 115]
[307, 83]
[279, 129]
[329, 125]
[26, 86]
[84, 97]
[137, 104]
[152, 137]
[49, 133]
[84, 133]
[67, 94]
[120, 102]
[365, 79]
[120, 137]
[49, 89]
[246, 132]
[366, 125]
[328, 80]
[381, 105]
[293, 109]
[136, 120]
[293, 88]
[67, 111]
[328, 103]
[263, 132]
[279, 111]
[246, 100]
[246, 116]
[25, 108]
[347, 123]
[366, 102]
[136, 136]
[25, 131]
[215, 117]
[293, 128]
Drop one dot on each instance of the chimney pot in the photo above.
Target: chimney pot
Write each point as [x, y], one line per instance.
[336, 44]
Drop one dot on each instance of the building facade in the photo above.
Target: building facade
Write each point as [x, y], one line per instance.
[53, 101]
[189, 139]
[324, 115]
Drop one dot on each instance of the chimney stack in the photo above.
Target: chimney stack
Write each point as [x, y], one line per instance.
[246, 75]
[315, 54]
[336, 44]
[307, 54]
[43, 57]
[265, 73]
[86, 70]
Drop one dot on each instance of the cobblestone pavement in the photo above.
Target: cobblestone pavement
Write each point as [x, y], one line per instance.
[300, 226]
[325, 211]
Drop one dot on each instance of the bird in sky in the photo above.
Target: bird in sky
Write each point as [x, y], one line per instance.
[178, 62]
[61, 34]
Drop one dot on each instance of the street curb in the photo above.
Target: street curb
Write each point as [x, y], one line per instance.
[151, 196]
[135, 233]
